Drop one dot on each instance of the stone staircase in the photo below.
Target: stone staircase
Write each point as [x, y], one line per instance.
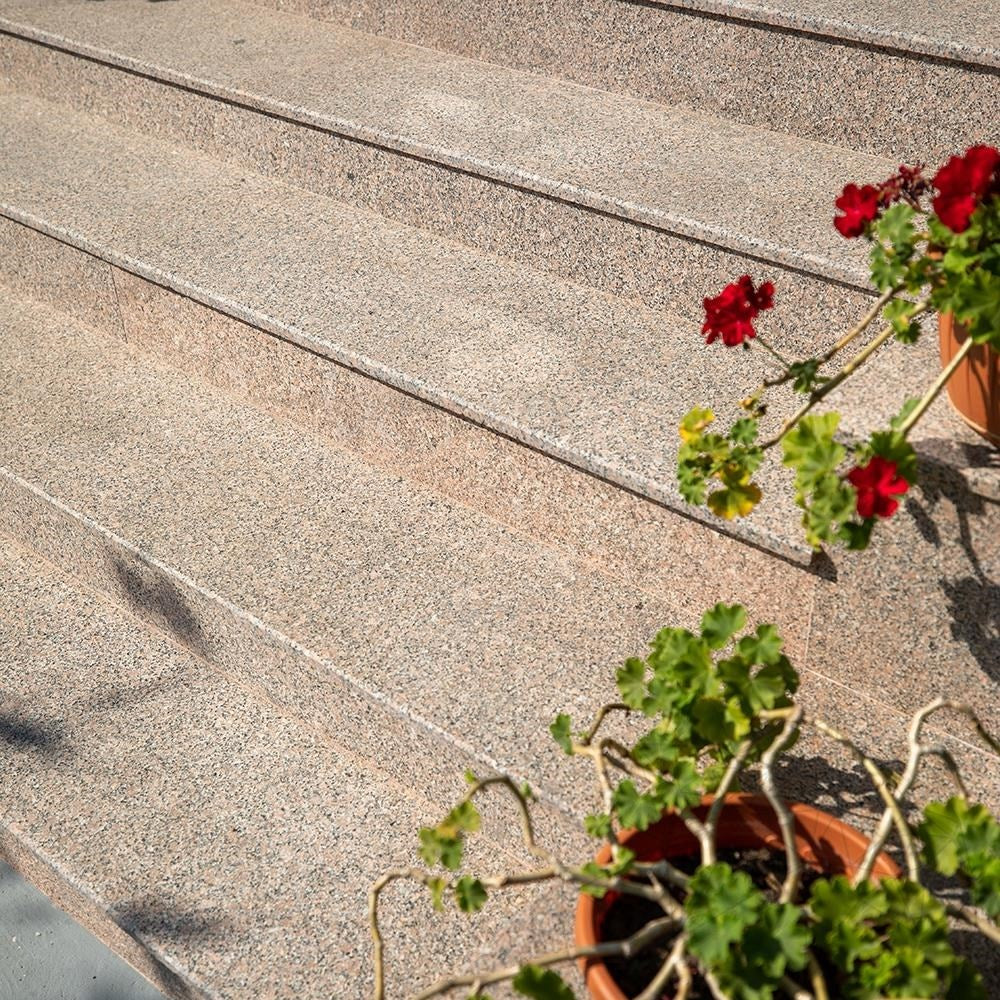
[343, 350]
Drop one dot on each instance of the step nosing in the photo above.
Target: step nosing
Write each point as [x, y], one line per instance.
[783, 547]
[569, 192]
[837, 31]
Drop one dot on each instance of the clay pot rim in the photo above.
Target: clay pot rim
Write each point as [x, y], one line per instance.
[754, 814]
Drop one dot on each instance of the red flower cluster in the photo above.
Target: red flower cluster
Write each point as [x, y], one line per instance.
[907, 182]
[963, 182]
[860, 206]
[878, 484]
[730, 315]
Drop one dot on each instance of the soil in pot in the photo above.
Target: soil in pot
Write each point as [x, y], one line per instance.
[628, 914]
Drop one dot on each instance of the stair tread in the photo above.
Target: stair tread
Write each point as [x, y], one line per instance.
[234, 845]
[965, 30]
[735, 186]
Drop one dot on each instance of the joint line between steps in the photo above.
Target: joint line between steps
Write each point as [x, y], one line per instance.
[855, 40]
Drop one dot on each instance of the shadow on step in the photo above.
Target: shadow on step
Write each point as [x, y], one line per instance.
[973, 600]
[152, 917]
[158, 600]
[847, 794]
[25, 734]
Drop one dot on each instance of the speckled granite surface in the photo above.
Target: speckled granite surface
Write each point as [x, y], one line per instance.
[903, 106]
[586, 378]
[305, 571]
[706, 177]
[232, 846]
[659, 267]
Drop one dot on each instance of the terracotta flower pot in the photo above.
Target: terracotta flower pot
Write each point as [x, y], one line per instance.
[974, 389]
[823, 843]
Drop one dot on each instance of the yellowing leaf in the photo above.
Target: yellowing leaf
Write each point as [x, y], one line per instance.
[736, 500]
[694, 422]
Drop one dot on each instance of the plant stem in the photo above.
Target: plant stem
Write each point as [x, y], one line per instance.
[882, 786]
[732, 771]
[651, 933]
[935, 390]
[827, 387]
[774, 354]
[917, 752]
[861, 326]
[817, 980]
[982, 923]
[785, 819]
[674, 962]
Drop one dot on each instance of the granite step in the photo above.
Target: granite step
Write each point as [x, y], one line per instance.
[580, 377]
[645, 201]
[595, 383]
[906, 81]
[216, 844]
[381, 613]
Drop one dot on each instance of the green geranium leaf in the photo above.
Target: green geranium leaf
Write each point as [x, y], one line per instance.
[437, 887]
[680, 791]
[721, 623]
[541, 984]
[891, 445]
[764, 646]
[842, 914]
[744, 431]
[633, 809]
[959, 837]
[470, 894]
[465, 817]
[598, 825]
[437, 847]
[720, 906]
[621, 864]
[735, 500]
[899, 314]
[657, 750]
[695, 422]
[896, 227]
[805, 375]
[631, 680]
[562, 732]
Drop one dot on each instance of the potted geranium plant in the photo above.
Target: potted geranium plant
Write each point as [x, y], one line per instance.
[703, 890]
[935, 247]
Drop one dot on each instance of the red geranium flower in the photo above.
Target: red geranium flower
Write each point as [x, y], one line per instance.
[963, 182]
[730, 314]
[877, 483]
[860, 206]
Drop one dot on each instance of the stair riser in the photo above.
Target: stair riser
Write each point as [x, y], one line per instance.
[756, 73]
[599, 247]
